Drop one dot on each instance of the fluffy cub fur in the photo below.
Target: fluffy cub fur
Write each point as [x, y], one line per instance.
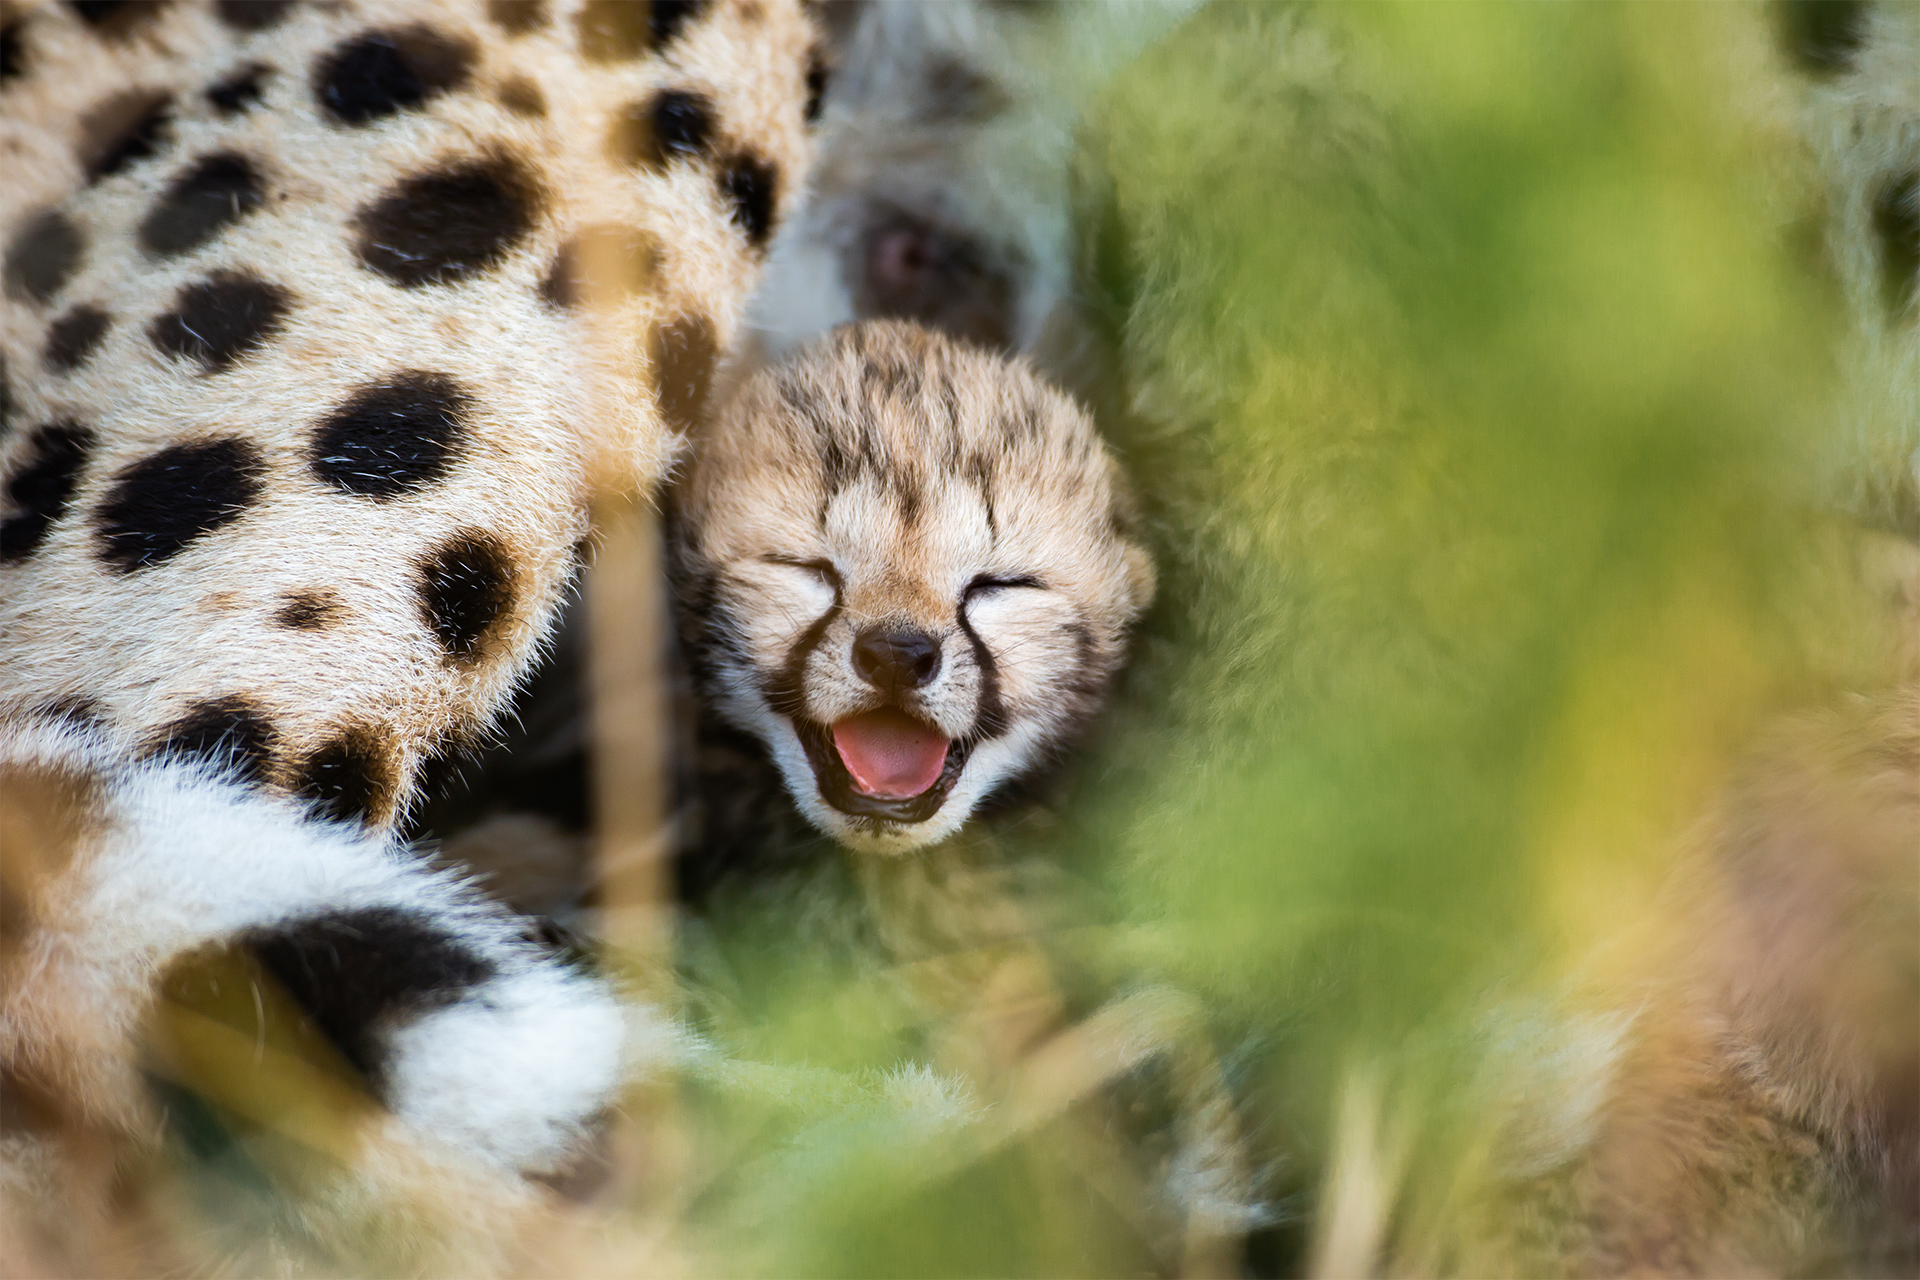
[908, 574]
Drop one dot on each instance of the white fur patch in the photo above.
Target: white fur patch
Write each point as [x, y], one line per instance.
[508, 1073]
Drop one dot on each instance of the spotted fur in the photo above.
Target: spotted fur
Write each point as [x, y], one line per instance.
[323, 325]
[294, 310]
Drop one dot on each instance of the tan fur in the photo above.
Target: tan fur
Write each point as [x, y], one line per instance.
[915, 468]
[560, 400]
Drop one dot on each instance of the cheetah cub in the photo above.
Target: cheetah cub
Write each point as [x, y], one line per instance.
[904, 568]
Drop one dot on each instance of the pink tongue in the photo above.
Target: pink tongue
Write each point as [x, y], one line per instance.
[891, 756]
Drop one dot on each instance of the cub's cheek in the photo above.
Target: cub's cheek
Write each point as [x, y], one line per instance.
[773, 608]
[771, 647]
[1034, 645]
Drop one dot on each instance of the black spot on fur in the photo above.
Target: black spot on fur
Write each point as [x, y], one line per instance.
[392, 438]
[619, 30]
[41, 489]
[381, 73]
[161, 504]
[349, 779]
[683, 353]
[221, 319]
[677, 123]
[1822, 36]
[752, 185]
[125, 128]
[353, 971]
[603, 265]
[229, 732]
[561, 287]
[308, 610]
[439, 228]
[466, 586]
[665, 18]
[240, 91]
[202, 202]
[13, 50]
[517, 17]
[523, 97]
[97, 12]
[117, 19]
[79, 712]
[74, 337]
[43, 256]
[682, 123]
[1896, 226]
[817, 77]
[252, 15]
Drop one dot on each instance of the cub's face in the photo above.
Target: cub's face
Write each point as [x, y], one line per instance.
[902, 565]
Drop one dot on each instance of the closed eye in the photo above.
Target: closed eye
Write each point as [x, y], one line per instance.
[823, 569]
[994, 582]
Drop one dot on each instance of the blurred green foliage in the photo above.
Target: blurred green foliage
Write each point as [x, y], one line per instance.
[1468, 382]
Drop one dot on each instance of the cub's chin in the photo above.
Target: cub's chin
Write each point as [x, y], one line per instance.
[882, 781]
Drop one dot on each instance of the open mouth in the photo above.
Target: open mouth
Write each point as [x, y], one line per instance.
[883, 764]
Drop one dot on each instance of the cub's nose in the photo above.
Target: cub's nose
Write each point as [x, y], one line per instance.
[896, 661]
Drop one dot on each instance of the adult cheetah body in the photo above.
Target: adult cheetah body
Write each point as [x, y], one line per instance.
[322, 327]
[309, 393]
